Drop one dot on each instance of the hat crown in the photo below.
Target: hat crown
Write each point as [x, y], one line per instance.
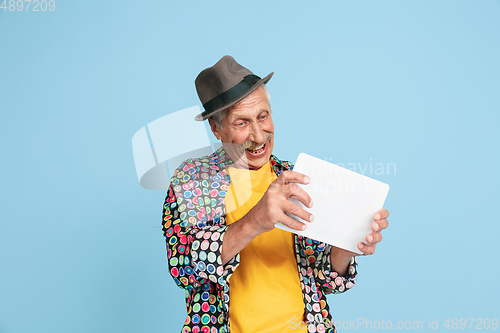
[219, 78]
[224, 84]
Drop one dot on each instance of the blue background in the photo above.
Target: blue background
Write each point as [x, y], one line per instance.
[415, 83]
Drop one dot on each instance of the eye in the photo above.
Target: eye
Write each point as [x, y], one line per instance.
[239, 124]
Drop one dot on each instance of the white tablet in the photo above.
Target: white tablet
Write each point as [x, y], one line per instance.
[343, 203]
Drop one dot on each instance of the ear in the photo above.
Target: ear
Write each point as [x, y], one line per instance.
[214, 128]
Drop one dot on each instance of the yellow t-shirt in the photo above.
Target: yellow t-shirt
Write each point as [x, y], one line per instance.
[265, 293]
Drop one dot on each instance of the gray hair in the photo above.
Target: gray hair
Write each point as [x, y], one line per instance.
[219, 117]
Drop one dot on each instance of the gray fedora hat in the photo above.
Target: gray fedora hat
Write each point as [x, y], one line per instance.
[225, 84]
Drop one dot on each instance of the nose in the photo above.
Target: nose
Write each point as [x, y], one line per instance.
[257, 133]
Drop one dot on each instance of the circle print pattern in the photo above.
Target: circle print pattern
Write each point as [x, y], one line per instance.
[193, 224]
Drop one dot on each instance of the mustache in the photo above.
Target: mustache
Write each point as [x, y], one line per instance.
[252, 145]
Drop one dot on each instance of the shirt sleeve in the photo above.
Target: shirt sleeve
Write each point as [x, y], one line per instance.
[194, 249]
[330, 281]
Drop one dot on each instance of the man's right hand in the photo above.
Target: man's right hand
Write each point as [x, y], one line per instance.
[274, 205]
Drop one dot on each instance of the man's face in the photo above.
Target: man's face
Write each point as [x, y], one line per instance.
[247, 131]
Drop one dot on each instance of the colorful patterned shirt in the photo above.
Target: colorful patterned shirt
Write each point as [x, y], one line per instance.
[194, 226]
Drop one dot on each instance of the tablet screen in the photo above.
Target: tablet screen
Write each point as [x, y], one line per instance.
[343, 203]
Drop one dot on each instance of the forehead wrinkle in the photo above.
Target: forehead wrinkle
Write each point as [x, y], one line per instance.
[250, 107]
[246, 113]
[249, 102]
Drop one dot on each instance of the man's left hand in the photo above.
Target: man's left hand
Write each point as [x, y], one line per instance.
[379, 224]
[340, 257]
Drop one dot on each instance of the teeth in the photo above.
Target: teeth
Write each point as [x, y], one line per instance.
[258, 149]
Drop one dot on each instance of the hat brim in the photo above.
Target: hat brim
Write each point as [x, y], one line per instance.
[203, 116]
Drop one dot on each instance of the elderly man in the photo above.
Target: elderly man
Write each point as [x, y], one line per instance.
[240, 273]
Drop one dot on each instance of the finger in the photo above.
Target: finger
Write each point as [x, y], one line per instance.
[300, 194]
[374, 238]
[292, 223]
[293, 177]
[296, 210]
[273, 187]
[381, 214]
[367, 249]
[380, 225]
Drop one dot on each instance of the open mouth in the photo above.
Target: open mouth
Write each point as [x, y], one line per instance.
[258, 150]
